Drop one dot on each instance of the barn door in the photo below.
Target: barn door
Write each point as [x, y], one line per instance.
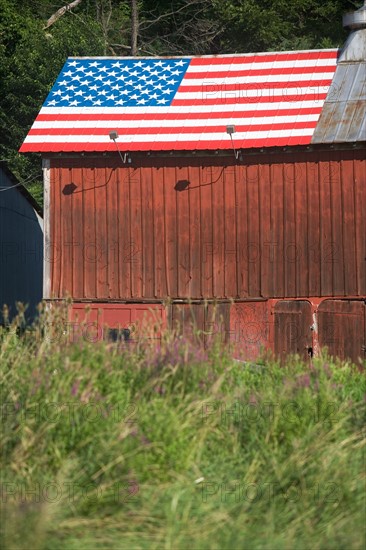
[202, 322]
[293, 321]
[342, 328]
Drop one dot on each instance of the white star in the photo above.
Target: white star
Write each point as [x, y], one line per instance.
[79, 92]
[68, 73]
[154, 73]
[177, 73]
[149, 82]
[147, 91]
[100, 77]
[90, 73]
[77, 77]
[139, 64]
[162, 100]
[94, 88]
[122, 77]
[139, 87]
[163, 77]
[168, 68]
[124, 92]
[65, 97]
[112, 73]
[141, 101]
[158, 86]
[134, 96]
[180, 63]
[153, 96]
[108, 82]
[112, 96]
[89, 97]
[85, 82]
[172, 82]
[57, 93]
[116, 87]
[168, 91]
[97, 102]
[102, 92]
[72, 87]
[52, 102]
[63, 83]
[75, 102]
[120, 102]
[116, 64]
[130, 82]
[159, 63]
[134, 73]
[103, 69]
[73, 63]
[94, 64]
[81, 69]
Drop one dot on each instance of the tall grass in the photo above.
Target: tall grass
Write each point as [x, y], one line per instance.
[161, 444]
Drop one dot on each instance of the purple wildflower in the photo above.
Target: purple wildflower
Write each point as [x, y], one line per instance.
[303, 381]
[75, 387]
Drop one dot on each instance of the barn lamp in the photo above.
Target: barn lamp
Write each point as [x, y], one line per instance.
[124, 158]
[230, 129]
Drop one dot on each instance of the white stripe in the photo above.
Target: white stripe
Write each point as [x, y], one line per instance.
[188, 109]
[173, 123]
[256, 79]
[252, 93]
[161, 137]
[258, 66]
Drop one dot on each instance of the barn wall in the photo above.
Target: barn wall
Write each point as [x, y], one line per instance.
[283, 225]
[21, 249]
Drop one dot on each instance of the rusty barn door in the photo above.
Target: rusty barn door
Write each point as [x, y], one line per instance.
[292, 328]
[342, 328]
[202, 322]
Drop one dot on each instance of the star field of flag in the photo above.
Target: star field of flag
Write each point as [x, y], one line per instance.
[109, 83]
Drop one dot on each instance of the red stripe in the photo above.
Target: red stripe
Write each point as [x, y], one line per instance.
[248, 100]
[170, 130]
[261, 72]
[180, 116]
[157, 146]
[266, 58]
[312, 84]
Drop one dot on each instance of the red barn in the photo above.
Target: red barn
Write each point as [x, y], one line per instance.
[227, 189]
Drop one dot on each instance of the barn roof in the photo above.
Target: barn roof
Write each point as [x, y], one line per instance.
[343, 118]
[272, 99]
[9, 179]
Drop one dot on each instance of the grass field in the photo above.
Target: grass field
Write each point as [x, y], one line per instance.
[166, 446]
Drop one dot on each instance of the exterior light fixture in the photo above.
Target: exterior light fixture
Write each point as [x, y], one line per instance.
[230, 129]
[113, 134]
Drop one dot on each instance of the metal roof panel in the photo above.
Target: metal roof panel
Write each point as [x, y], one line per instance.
[184, 103]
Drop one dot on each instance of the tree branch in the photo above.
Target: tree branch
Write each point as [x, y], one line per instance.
[59, 13]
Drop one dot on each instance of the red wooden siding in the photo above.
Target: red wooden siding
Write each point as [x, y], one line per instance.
[342, 328]
[280, 225]
[293, 328]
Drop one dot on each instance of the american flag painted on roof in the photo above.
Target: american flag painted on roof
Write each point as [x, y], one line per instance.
[273, 99]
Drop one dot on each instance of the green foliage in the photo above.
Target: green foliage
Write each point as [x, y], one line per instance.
[163, 445]
[282, 25]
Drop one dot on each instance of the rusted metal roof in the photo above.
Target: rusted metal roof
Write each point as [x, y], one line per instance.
[343, 118]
